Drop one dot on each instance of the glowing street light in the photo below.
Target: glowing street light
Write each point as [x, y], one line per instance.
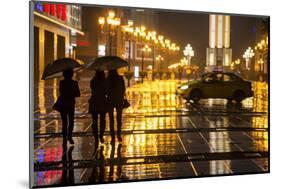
[160, 58]
[145, 49]
[129, 30]
[236, 63]
[189, 53]
[109, 23]
[249, 53]
[111, 14]
[101, 21]
[261, 62]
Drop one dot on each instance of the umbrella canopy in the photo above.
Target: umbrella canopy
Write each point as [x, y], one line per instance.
[107, 63]
[56, 68]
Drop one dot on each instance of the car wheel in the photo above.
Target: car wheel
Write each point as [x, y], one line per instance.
[238, 96]
[195, 95]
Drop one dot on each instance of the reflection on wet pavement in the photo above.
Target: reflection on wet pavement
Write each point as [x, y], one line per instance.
[163, 137]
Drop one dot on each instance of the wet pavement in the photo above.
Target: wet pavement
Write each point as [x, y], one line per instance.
[163, 137]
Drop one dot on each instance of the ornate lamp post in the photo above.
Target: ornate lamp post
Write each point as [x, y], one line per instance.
[261, 69]
[128, 31]
[261, 50]
[160, 58]
[237, 64]
[249, 53]
[145, 49]
[108, 26]
[189, 53]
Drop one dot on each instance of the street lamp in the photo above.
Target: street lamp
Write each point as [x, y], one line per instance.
[188, 52]
[108, 26]
[128, 30]
[249, 53]
[260, 62]
[145, 49]
[160, 58]
[261, 50]
[237, 63]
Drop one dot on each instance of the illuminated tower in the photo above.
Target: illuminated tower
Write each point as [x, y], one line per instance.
[219, 52]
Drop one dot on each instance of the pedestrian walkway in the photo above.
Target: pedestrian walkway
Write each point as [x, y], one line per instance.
[163, 137]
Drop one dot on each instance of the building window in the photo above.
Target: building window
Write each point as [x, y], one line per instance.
[48, 47]
[60, 47]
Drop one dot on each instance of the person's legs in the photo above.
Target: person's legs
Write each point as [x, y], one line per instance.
[119, 123]
[64, 126]
[70, 125]
[95, 125]
[102, 126]
[111, 124]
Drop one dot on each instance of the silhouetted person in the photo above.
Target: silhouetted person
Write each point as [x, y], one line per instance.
[98, 104]
[116, 96]
[69, 89]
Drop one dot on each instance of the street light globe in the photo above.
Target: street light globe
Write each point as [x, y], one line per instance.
[143, 28]
[131, 30]
[111, 14]
[110, 21]
[101, 20]
[137, 29]
[117, 21]
[130, 22]
[160, 37]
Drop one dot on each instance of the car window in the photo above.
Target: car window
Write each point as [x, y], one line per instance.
[218, 77]
[208, 78]
[227, 78]
[235, 78]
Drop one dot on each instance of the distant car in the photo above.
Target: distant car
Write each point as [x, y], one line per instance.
[216, 85]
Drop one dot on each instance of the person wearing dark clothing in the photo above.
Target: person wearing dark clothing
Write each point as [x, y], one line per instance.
[98, 104]
[116, 97]
[68, 89]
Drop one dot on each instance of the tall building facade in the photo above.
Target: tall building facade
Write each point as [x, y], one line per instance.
[219, 52]
[55, 28]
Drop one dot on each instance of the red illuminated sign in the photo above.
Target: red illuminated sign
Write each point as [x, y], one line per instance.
[57, 10]
[82, 43]
[53, 9]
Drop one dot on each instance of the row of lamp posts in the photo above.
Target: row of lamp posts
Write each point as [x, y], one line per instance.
[110, 26]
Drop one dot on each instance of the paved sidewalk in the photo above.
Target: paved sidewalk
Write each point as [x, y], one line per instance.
[163, 137]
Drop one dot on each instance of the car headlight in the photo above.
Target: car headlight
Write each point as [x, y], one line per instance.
[184, 87]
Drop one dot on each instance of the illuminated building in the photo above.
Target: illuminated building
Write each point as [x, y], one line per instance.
[55, 29]
[219, 52]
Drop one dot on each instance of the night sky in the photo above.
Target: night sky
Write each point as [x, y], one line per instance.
[193, 28]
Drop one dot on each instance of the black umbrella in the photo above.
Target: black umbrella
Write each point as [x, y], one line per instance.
[107, 63]
[56, 68]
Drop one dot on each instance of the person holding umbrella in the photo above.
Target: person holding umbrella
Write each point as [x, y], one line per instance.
[68, 89]
[116, 96]
[116, 89]
[98, 104]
